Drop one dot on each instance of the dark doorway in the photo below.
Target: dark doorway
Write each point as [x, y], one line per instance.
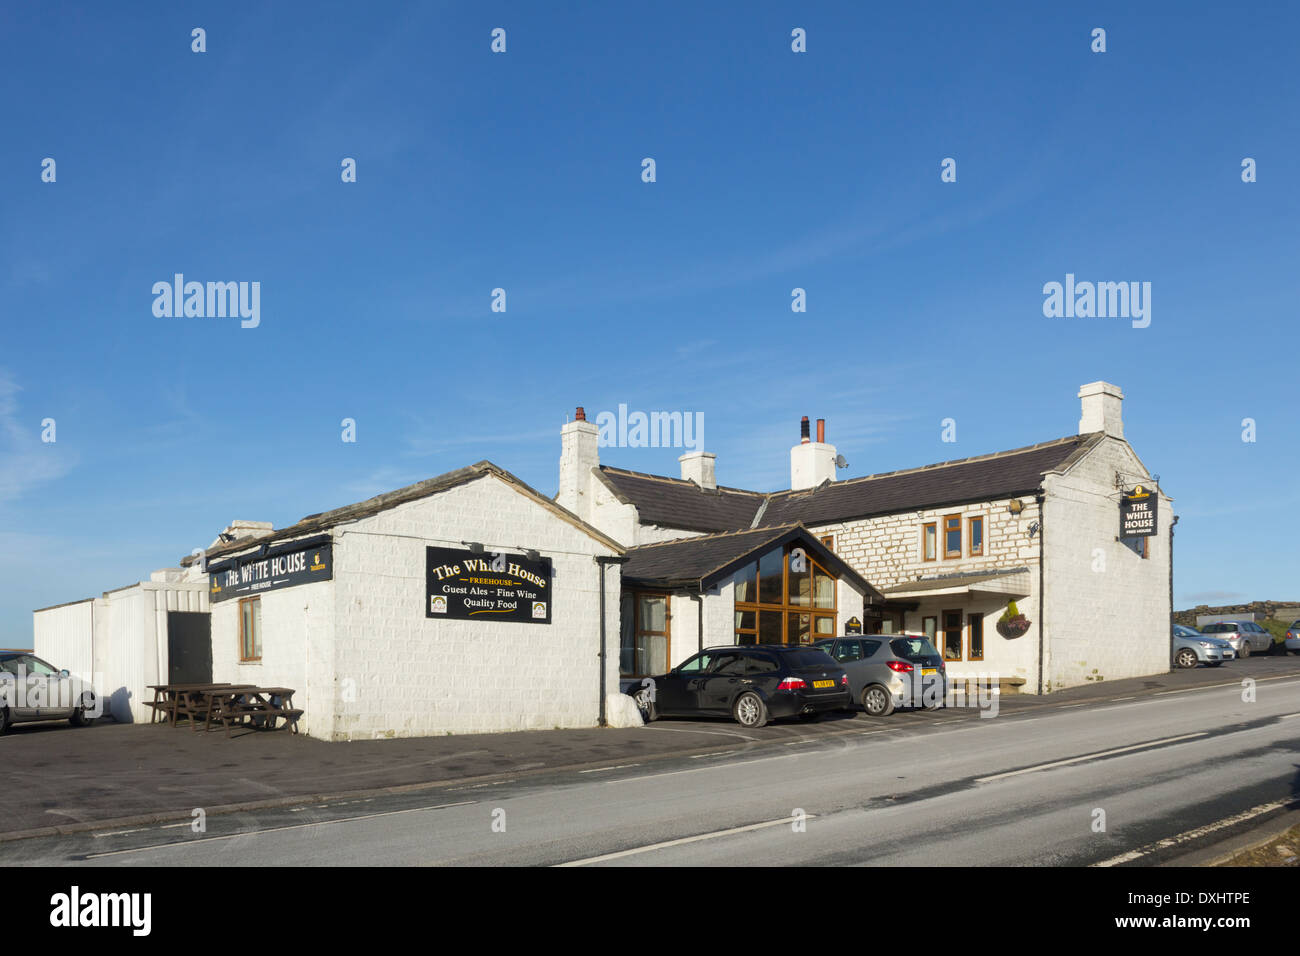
[189, 647]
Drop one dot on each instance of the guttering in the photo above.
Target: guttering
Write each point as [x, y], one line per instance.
[602, 563]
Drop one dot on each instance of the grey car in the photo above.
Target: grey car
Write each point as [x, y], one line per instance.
[33, 689]
[1191, 647]
[889, 670]
[1246, 637]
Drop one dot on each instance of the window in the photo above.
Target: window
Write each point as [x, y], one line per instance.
[829, 541]
[776, 604]
[975, 534]
[928, 536]
[952, 536]
[848, 651]
[975, 626]
[930, 627]
[645, 635]
[1137, 545]
[952, 635]
[250, 629]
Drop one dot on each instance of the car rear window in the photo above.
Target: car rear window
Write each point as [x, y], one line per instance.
[912, 648]
[809, 658]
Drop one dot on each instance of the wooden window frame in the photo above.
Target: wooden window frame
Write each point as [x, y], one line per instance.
[785, 608]
[257, 635]
[829, 541]
[970, 538]
[949, 555]
[1146, 550]
[935, 526]
[970, 633]
[943, 635]
[637, 633]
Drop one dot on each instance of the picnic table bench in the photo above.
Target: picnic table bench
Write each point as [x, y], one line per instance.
[258, 706]
[171, 701]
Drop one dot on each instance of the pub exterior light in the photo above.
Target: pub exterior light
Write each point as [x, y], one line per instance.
[1015, 506]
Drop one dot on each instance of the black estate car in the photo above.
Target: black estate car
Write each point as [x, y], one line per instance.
[752, 683]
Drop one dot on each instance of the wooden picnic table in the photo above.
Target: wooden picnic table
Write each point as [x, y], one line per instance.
[260, 706]
[170, 700]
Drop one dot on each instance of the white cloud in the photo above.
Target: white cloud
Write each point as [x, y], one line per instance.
[26, 462]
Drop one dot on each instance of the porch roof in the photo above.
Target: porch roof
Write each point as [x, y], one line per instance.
[997, 582]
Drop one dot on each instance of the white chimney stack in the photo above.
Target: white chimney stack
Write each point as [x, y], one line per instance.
[579, 454]
[701, 468]
[811, 462]
[1102, 411]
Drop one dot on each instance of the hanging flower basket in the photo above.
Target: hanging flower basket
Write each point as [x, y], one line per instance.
[1012, 623]
[1013, 627]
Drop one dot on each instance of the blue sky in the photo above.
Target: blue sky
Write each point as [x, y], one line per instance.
[522, 171]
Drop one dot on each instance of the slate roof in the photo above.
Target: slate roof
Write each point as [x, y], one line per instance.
[325, 520]
[675, 503]
[702, 561]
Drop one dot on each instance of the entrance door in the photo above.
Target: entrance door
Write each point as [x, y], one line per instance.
[189, 647]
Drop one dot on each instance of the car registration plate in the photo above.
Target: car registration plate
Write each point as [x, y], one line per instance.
[823, 683]
[927, 671]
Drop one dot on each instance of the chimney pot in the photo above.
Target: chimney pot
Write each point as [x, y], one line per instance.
[821, 431]
[580, 415]
[803, 431]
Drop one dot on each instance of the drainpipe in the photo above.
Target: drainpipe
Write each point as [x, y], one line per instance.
[1171, 587]
[602, 562]
[699, 617]
[1042, 585]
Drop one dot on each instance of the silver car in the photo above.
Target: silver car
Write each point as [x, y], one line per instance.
[1246, 637]
[890, 670]
[33, 689]
[1191, 647]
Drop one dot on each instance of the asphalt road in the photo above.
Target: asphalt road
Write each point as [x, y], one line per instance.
[1120, 782]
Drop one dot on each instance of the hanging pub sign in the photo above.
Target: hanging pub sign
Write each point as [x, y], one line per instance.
[253, 574]
[853, 626]
[464, 586]
[1137, 513]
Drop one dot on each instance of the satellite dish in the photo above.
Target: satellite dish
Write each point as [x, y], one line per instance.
[840, 462]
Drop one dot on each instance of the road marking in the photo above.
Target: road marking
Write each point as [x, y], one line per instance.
[1235, 683]
[1092, 756]
[715, 753]
[716, 766]
[1192, 834]
[1285, 716]
[295, 826]
[678, 730]
[622, 766]
[684, 840]
[1117, 699]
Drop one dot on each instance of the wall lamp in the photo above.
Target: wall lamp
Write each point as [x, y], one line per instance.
[1033, 529]
[1015, 506]
[475, 547]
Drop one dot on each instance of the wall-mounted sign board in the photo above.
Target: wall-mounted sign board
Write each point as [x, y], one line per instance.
[465, 586]
[253, 574]
[1137, 512]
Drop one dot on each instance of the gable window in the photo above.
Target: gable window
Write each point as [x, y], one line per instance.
[952, 536]
[975, 535]
[928, 538]
[1138, 545]
[644, 634]
[778, 600]
[250, 629]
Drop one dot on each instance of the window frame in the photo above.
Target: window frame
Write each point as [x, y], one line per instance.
[934, 554]
[256, 646]
[637, 633]
[971, 620]
[785, 609]
[961, 635]
[971, 520]
[950, 554]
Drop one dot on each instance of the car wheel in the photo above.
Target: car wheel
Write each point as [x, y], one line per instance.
[1245, 650]
[647, 706]
[79, 718]
[877, 701]
[4, 719]
[749, 710]
[1186, 658]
